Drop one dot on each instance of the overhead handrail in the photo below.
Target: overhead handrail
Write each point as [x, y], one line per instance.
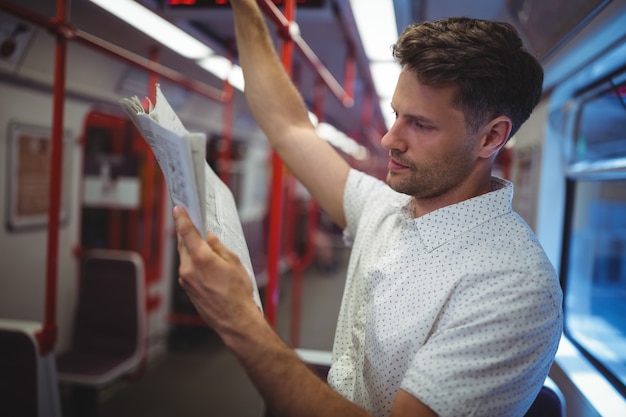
[65, 30]
[286, 29]
[149, 65]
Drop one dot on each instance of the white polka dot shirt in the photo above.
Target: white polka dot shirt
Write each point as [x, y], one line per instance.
[460, 308]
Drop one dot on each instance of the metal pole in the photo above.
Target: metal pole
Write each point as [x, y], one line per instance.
[47, 336]
[299, 263]
[276, 202]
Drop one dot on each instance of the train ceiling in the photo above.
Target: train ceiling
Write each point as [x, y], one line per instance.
[329, 29]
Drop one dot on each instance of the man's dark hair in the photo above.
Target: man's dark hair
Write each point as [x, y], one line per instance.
[494, 73]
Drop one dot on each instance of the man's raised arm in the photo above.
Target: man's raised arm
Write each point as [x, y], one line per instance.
[282, 114]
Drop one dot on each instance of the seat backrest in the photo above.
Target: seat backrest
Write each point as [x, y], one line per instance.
[28, 383]
[18, 374]
[111, 303]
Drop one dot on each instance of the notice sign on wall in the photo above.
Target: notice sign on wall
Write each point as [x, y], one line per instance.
[29, 159]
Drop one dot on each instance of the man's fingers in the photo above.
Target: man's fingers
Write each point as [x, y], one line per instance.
[187, 233]
[190, 242]
[218, 247]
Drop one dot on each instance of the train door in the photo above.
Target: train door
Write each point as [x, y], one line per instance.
[123, 196]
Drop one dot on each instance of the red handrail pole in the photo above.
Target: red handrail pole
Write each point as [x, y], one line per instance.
[276, 203]
[298, 265]
[48, 334]
[273, 252]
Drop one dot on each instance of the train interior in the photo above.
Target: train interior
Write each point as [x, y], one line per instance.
[87, 237]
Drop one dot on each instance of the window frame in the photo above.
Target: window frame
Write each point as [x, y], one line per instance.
[575, 172]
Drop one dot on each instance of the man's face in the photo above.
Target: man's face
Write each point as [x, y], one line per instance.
[431, 152]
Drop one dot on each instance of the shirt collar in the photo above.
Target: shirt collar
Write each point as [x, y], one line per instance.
[442, 225]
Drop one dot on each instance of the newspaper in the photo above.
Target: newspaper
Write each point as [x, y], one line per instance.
[190, 180]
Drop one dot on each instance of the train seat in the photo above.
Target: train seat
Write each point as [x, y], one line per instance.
[550, 402]
[28, 380]
[109, 322]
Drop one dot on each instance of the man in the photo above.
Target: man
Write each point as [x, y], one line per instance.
[451, 306]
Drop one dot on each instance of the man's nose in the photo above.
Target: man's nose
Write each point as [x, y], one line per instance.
[392, 139]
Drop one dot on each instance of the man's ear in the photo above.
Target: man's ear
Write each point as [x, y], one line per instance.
[495, 135]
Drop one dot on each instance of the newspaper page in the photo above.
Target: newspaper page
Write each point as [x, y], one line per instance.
[182, 158]
[168, 140]
[222, 219]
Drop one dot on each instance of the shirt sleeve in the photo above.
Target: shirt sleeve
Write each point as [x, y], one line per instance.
[491, 348]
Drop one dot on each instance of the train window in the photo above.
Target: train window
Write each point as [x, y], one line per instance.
[601, 128]
[594, 263]
[595, 303]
